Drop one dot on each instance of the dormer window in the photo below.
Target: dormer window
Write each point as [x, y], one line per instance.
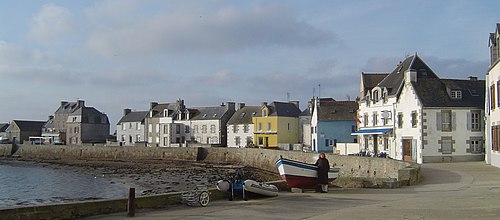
[264, 112]
[215, 115]
[456, 94]
[204, 115]
[243, 114]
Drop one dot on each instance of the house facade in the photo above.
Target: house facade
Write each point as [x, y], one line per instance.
[209, 125]
[22, 130]
[332, 122]
[3, 132]
[87, 125]
[492, 106]
[412, 115]
[278, 124]
[131, 127]
[55, 129]
[240, 126]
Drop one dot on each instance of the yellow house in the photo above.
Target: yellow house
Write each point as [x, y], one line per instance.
[278, 124]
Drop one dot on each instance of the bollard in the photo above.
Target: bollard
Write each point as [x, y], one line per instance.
[131, 202]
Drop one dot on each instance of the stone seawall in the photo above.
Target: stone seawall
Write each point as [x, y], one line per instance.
[404, 173]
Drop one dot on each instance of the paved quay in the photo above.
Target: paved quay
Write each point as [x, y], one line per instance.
[469, 190]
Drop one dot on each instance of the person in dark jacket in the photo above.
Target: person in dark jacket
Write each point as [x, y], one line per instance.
[323, 168]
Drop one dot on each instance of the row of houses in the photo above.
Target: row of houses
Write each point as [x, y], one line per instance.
[273, 125]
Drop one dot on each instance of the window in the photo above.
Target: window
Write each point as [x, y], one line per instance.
[157, 128]
[269, 126]
[475, 120]
[400, 120]
[130, 125]
[123, 138]
[245, 128]
[203, 129]
[74, 119]
[138, 126]
[495, 131]
[498, 94]
[165, 141]
[177, 129]
[375, 119]
[260, 126]
[456, 94]
[312, 130]
[327, 142]
[165, 129]
[365, 120]
[186, 129]
[195, 129]
[177, 140]
[414, 119]
[375, 96]
[123, 127]
[446, 145]
[237, 140]
[446, 120]
[492, 96]
[476, 145]
[138, 138]
[261, 141]
[235, 128]
[212, 129]
[289, 126]
[150, 128]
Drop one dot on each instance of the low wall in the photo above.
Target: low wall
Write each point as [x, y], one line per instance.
[91, 208]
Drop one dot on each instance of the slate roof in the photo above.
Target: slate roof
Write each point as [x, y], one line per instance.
[370, 80]
[29, 125]
[89, 111]
[68, 107]
[137, 116]
[159, 109]
[49, 123]
[245, 114]
[209, 113]
[285, 109]
[395, 80]
[434, 92]
[3, 127]
[337, 110]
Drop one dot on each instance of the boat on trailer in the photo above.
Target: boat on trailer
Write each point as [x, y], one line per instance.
[301, 175]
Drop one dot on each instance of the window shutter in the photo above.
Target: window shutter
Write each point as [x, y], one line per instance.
[453, 121]
[481, 121]
[469, 122]
[438, 121]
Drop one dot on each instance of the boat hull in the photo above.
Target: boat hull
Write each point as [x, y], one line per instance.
[301, 175]
[260, 188]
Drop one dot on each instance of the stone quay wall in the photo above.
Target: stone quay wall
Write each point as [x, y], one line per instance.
[353, 167]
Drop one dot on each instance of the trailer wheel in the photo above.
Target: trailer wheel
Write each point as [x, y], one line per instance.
[204, 199]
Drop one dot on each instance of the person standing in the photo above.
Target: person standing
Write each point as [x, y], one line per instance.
[323, 168]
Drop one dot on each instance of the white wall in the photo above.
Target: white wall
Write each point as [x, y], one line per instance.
[347, 148]
[407, 103]
[231, 135]
[492, 157]
[208, 137]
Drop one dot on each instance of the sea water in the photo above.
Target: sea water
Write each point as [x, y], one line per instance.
[23, 183]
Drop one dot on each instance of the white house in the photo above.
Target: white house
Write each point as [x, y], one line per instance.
[240, 127]
[418, 116]
[209, 125]
[130, 129]
[492, 105]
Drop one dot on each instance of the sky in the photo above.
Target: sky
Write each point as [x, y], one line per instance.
[127, 53]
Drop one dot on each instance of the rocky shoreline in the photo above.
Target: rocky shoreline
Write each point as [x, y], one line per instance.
[151, 176]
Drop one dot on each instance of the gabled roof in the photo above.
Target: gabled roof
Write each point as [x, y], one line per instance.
[436, 92]
[3, 127]
[245, 115]
[337, 110]
[285, 109]
[394, 81]
[210, 113]
[160, 108]
[137, 116]
[29, 125]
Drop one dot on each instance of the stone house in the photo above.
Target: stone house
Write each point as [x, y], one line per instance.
[22, 130]
[240, 127]
[3, 132]
[54, 130]
[87, 125]
[411, 114]
[131, 127]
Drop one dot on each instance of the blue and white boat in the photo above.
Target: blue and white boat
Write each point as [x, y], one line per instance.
[301, 175]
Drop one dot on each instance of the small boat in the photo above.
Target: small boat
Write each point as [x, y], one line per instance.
[260, 188]
[301, 175]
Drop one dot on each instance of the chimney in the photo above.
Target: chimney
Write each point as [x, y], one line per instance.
[152, 105]
[263, 104]
[411, 76]
[230, 106]
[51, 117]
[81, 103]
[473, 78]
[63, 103]
[296, 103]
[126, 111]
[240, 106]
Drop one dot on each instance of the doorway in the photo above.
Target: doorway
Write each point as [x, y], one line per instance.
[407, 150]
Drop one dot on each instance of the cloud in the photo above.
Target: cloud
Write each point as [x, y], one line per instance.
[225, 30]
[49, 23]
[457, 68]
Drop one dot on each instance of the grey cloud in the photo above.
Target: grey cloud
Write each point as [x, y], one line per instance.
[457, 68]
[228, 29]
[49, 23]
